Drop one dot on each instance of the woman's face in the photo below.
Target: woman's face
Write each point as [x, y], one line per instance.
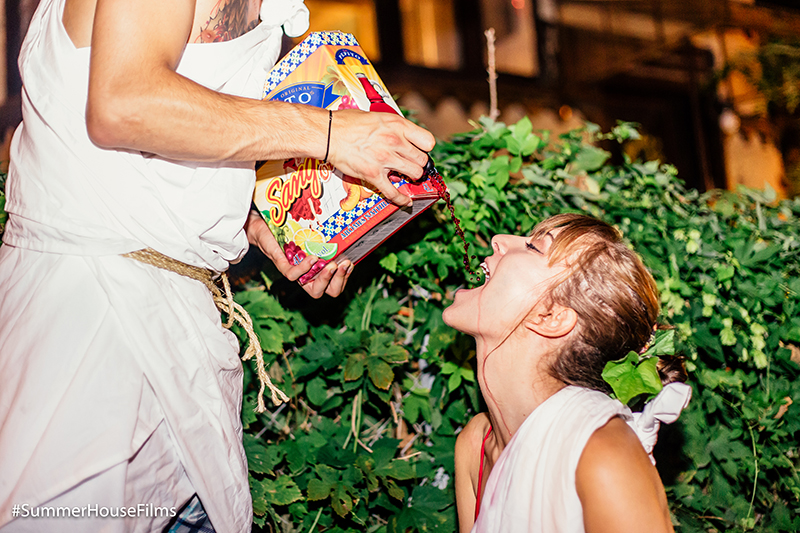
[517, 276]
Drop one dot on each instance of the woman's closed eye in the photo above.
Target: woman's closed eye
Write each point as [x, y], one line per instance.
[529, 245]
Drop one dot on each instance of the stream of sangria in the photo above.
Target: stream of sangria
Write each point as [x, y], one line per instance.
[444, 194]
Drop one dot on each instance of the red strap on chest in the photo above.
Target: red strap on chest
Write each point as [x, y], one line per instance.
[480, 474]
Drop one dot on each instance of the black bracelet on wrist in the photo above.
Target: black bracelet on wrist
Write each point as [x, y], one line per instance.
[328, 146]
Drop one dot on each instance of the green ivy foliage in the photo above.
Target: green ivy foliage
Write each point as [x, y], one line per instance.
[379, 393]
[381, 386]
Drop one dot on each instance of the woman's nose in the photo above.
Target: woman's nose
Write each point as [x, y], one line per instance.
[499, 244]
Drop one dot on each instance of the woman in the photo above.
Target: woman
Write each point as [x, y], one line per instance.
[554, 309]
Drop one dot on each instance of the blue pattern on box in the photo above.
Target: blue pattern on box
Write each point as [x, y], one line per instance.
[340, 220]
[290, 62]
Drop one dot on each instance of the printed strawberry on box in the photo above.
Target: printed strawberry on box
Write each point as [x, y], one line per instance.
[311, 207]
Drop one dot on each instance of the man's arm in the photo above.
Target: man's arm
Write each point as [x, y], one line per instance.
[137, 101]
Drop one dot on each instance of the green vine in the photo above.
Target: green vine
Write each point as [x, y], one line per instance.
[728, 269]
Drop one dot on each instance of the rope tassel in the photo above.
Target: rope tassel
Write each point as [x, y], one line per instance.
[224, 302]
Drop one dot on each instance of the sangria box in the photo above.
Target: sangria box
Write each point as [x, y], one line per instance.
[311, 207]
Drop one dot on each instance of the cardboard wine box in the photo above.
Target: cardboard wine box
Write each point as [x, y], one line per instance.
[311, 207]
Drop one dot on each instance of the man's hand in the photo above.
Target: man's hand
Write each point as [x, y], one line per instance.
[331, 280]
[371, 145]
[137, 100]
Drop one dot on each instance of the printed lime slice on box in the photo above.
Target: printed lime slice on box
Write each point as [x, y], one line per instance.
[323, 250]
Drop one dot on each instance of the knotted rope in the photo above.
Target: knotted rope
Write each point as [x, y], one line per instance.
[224, 302]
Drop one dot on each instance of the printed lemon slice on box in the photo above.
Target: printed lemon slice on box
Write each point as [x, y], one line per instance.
[305, 235]
[323, 250]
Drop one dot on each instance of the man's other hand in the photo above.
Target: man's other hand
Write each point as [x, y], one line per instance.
[331, 280]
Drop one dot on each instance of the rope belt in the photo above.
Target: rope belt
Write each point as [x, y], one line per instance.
[224, 302]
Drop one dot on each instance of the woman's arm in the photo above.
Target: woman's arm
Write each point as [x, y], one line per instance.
[619, 488]
[467, 458]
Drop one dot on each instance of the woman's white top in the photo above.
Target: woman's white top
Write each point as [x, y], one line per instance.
[531, 488]
[97, 351]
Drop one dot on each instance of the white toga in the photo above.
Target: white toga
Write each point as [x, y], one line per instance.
[531, 488]
[119, 385]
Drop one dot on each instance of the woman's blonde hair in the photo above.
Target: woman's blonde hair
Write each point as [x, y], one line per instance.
[610, 289]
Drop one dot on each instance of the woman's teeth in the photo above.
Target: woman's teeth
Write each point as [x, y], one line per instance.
[485, 269]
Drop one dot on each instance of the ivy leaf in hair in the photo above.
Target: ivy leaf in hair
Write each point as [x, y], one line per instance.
[663, 344]
[633, 375]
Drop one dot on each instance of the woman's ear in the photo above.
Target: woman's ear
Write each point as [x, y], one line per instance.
[555, 322]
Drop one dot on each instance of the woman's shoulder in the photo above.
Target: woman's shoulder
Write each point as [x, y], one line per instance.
[468, 444]
[471, 437]
[614, 445]
[614, 471]
[468, 460]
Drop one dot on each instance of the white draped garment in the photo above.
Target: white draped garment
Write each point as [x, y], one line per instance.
[531, 488]
[118, 384]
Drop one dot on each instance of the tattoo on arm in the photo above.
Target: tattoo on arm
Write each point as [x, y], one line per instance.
[229, 19]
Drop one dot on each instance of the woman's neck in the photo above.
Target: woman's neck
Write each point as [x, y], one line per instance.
[514, 381]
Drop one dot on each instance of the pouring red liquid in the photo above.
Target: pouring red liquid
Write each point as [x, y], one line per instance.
[377, 103]
[441, 188]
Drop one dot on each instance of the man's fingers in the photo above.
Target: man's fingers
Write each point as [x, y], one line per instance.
[293, 272]
[339, 280]
[330, 280]
[390, 192]
[316, 287]
[386, 142]
[420, 137]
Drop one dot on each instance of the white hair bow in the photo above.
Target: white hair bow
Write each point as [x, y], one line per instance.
[666, 408]
[291, 14]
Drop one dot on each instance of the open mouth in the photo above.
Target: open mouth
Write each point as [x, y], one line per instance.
[485, 269]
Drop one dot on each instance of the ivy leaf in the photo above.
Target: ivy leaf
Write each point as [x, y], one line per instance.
[260, 304]
[327, 474]
[724, 272]
[629, 378]
[395, 354]
[624, 131]
[394, 491]
[319, 490]
[341, 500]
[456, 189]
[414, 405]
[449, 367]
[589, 159]
[380, 373]
[354, 368]
[367, 467]
[663, 344]
[522, 141]
[454, 381]
[261, 459]
[317, 391]
[389, 263]
[399, 469]
[269, 334]
[281, 491]
[257, 492]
